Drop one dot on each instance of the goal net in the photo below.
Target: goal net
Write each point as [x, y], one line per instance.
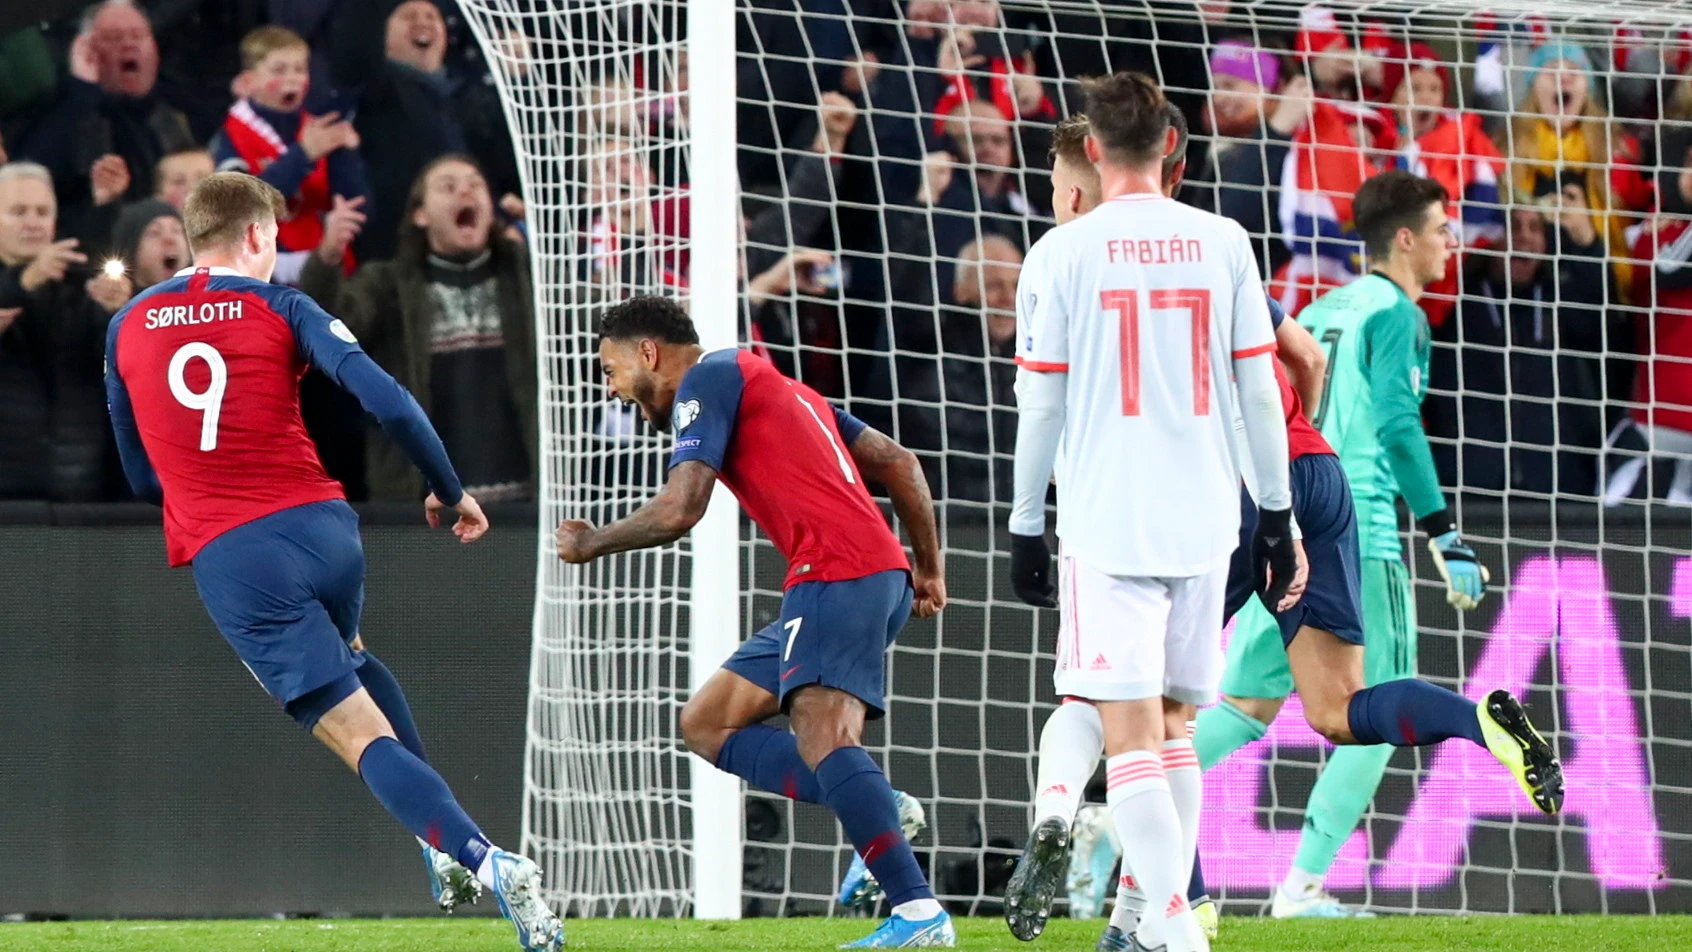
[889, 170]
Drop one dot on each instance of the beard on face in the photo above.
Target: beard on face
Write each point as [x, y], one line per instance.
[645, 394]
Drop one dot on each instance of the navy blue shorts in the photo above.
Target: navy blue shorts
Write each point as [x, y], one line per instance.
[286, 592]
[1333, 600]
[830, 633]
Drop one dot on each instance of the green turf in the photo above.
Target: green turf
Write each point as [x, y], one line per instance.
[1396, 934]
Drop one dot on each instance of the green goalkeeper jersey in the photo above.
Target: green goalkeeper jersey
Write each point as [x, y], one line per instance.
[1377, 343]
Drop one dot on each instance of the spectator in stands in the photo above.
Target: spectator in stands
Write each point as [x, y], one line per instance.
[107, 105]
[979, 60]
[55, 441]
[413, 111]
[1452, 148]
[450, 317]
[793, 323]
[200, 52]
[149, 237]
[1529, 359]
[944, 391]
[1337, 69]
[1252, 131]
[983, 139]
[1343, 144]
[978, 342]
[268, 133]
[804, 217]
[1561, 125]
[635, 229]
[982, 200]
[90, 220]
[1661, 418]
[179, 172]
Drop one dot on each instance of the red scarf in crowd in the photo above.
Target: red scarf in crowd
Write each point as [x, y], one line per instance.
[1458, 154]
[1001, 89]
[1663, 384]
[258, 144]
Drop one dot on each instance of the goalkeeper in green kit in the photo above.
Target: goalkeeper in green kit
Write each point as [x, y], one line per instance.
[1377, 343]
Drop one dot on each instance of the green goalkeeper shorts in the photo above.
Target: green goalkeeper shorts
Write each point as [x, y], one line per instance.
[1257, 661]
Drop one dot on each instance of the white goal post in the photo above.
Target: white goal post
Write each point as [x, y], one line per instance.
[688, 148]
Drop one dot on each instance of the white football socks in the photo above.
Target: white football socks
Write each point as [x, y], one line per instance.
[485, 870]
[1150, 830]
[1070, 746]
[1299, 883]
[1181, 766]
[918, 910]
[1130, 903]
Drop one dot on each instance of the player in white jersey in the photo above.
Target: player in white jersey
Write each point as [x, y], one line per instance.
[1131, 323]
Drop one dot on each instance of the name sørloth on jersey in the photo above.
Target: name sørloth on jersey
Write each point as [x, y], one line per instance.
[181, 315]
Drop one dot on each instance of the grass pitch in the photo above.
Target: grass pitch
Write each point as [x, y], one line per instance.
[1398, 934]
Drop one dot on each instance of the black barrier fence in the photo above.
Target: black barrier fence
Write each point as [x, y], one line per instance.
[144, 773]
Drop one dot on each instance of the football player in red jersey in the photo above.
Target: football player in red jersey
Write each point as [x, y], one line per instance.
[798, 467]
[203, 378]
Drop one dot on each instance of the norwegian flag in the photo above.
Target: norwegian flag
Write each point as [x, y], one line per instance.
[1323, 170]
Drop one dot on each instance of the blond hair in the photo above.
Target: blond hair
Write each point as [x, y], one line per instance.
[220, 208]
[1069, 140]
[265, 40]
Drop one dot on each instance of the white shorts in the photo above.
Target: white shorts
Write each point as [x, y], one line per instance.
[1126, 638]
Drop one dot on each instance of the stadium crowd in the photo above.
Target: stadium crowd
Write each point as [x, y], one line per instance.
[894, 161]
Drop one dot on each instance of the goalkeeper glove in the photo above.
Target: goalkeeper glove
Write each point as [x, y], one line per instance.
[1274, 556]
[1465, 578]
[1031, 571]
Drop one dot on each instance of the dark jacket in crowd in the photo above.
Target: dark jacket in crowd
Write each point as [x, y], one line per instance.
[1242, 180]
[1529, 369]
[957, 407]
[83, 123]
[387, 304]
[803, 339]
[55, 438]
[406, 119]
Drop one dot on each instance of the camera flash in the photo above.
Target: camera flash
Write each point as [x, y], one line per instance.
[114, 268]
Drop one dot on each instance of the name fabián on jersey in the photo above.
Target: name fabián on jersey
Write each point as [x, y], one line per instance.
[184, 314]
[1171, 250]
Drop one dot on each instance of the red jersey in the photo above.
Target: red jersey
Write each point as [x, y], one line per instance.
[209, 364]
[1303, 439]
[1663, 387]
[784, 453]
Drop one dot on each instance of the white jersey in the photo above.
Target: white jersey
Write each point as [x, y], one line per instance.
[1145, 303]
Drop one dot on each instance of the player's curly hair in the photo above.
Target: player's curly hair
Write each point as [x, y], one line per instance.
[647, 317]
[1390, 201]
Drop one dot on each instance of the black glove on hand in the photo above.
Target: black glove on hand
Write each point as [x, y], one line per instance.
[1031, 571]
[1273, 557]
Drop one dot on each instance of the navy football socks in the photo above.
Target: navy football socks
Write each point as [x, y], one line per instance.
[385, 691]
[417, 796]
[1411, 713]
[769, 759]
[858, 792]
